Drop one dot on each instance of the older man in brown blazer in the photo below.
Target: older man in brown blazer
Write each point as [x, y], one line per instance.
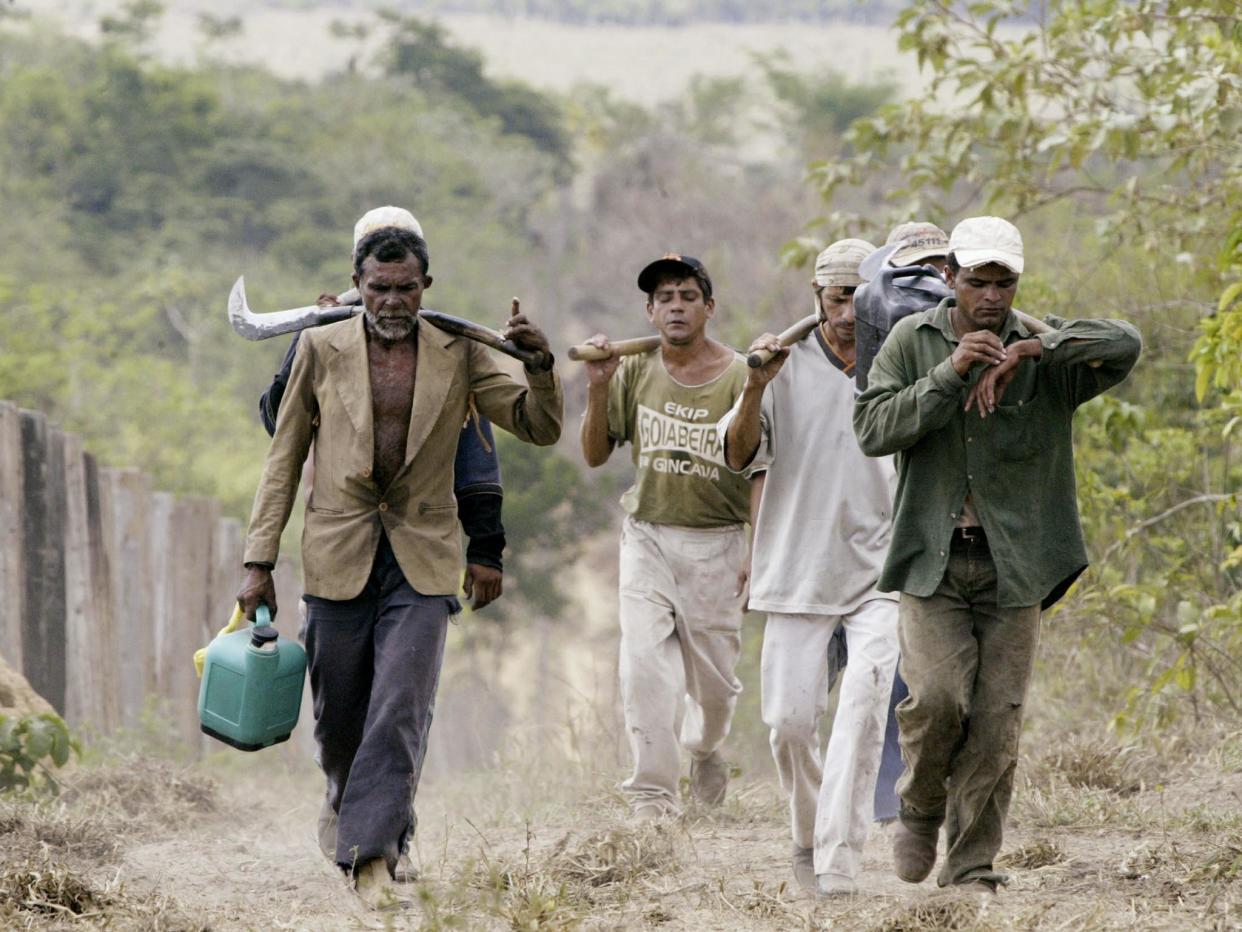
[383, 397]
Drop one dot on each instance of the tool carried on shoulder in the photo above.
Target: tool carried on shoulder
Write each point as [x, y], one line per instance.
[254, 326]
[787, 338]
[585, 352]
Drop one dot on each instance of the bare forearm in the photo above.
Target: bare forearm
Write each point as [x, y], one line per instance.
[742, 438]
[756, 496]
[596, 444]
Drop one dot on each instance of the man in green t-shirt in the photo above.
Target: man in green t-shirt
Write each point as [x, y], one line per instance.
[683, 543]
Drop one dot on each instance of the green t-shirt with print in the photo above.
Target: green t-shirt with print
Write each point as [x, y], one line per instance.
[680, 477]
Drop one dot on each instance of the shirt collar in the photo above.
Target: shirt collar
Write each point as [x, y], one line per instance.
[939, 318]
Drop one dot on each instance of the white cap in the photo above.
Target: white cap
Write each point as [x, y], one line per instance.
[838, 264]
[977, 241]
[389, 216]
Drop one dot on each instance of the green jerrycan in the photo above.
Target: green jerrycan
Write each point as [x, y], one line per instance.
[251, 690]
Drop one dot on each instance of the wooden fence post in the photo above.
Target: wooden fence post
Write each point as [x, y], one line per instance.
[225, 577]
[126, 506]
[288, 579]
[12, 558]
[90, 673]
[43, 530]
[160, 575]
[184, 619]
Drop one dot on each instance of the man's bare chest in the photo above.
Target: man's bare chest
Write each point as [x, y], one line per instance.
[392, 372]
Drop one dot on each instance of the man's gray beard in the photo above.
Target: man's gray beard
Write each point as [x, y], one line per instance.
[390, 329]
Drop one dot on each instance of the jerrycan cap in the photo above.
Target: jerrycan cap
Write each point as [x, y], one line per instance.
[263, 633]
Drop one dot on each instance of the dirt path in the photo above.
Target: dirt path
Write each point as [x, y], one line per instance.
[510, 851]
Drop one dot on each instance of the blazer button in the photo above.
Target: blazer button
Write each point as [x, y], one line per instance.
[366, 473]
[383, 506]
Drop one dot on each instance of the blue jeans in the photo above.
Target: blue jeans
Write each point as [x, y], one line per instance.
[886, 802]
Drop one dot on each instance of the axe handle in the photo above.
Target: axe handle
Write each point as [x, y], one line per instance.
[585, 352]
[787, 339]
[484, 335]
[465, 328]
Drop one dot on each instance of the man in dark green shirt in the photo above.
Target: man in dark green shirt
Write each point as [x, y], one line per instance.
[978, 409]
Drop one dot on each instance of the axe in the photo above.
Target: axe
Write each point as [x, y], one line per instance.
[254, 326]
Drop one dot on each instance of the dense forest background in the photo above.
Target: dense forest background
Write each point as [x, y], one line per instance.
[134, 192]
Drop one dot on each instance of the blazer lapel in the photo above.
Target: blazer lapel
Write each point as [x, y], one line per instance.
[436, 365]
[352, 376]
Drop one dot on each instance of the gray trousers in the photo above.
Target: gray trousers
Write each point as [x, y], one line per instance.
[968, 663]
[374, 664]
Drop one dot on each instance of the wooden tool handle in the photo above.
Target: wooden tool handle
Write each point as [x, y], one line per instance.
[485, 335]
[585, 352]
[787, 338]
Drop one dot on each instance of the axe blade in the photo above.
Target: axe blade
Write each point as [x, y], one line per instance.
[254, 326]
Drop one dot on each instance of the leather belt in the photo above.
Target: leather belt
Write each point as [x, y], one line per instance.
[966, 536]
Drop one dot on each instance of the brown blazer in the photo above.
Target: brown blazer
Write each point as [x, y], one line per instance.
[328, 400]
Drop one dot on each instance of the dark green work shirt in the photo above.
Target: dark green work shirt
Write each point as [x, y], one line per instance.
[1018, 463]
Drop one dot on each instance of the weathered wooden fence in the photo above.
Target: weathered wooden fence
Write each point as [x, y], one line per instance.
[107, 587]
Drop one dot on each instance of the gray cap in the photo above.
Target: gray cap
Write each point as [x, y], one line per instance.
[838, 264]
[920, 240]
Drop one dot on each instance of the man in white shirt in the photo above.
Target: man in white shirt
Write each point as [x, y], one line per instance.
[821, 535]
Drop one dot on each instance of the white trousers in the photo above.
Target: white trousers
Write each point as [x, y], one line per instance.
[830, 804]
[680, 641]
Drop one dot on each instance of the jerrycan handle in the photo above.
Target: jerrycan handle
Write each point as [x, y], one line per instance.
[263, 635]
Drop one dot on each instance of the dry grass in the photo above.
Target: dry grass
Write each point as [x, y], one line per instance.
[1040, 853]
[49, 888]
[143, 795]
[942, 911]
[40, 892]
[619, 855]
[57, 856]
[1097, 764]
[1222, 865]
[761, 901]
[28, 828]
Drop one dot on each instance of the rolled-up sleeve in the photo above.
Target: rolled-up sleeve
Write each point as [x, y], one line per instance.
[1089, 357]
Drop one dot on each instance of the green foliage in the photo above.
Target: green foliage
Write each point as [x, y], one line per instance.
[1217, 353]
[819, 107]
[219, 28]
[136, 23]
[551, 506]
[420, 51]
[29, 747]
[1108, 129]
[121, 242]
[1130, 108]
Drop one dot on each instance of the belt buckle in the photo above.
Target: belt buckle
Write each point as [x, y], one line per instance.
[970, 534]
